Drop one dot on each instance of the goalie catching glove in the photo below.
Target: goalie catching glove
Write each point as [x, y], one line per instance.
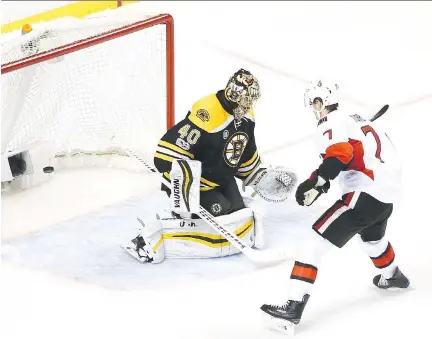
[272, 184]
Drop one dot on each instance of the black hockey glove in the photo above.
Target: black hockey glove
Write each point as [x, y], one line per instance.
[310, 190]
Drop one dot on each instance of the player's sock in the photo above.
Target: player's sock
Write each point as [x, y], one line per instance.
[305, 269]
[303, 275]
[302, 278]
[382, 255]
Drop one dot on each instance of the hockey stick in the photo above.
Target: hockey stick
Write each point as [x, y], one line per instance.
[263, 257]
[380, 112]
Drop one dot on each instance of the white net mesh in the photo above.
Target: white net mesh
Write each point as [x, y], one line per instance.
[83, 101]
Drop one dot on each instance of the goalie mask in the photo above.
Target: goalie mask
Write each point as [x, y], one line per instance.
[319, 95]
[242, 89]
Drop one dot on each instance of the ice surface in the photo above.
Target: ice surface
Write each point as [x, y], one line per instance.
[64, 275]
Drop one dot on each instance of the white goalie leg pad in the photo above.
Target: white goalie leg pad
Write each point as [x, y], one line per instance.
[258, 209]
[194, 238]
[185, 178]
[148, 246]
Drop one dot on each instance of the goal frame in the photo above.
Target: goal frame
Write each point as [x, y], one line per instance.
[161, 19]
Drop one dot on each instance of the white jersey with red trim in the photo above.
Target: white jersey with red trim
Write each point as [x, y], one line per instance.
[373, 165]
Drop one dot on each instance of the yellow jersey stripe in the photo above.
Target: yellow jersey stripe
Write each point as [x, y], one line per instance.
[208, 188]
[209, 115]
[245, 174]
[164, 157]
[208, 182]
[250, 161]
[175, 148]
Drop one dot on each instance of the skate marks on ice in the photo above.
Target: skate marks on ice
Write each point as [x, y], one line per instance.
[87, 248]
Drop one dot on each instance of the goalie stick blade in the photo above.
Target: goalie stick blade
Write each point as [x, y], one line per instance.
[271, 256]
[380, 112]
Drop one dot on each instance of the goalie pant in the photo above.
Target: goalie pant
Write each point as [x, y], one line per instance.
[193, 238]
[222, 200]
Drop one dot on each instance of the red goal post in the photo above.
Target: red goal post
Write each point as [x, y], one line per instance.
[37, 88]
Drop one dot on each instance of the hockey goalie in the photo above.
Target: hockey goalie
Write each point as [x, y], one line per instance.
[201, 157]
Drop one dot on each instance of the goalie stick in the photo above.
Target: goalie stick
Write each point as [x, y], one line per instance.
[258, 256]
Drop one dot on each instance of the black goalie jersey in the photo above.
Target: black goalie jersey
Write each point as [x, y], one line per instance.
[209, 133]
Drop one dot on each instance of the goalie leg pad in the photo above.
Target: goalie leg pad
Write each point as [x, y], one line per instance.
[189, 238]
[185, 178]
[194, 238]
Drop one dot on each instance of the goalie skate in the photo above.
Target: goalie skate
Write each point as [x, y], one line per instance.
[137, 249]
[148, 246]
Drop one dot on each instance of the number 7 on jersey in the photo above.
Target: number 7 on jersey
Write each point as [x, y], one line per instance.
[366, 129]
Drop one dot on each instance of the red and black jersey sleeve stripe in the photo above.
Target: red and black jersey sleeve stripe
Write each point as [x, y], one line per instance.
[343, 151]
[336, 159]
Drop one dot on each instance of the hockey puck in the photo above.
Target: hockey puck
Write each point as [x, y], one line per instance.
[48, 169]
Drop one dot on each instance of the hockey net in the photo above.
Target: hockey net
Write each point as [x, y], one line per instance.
[89, 86]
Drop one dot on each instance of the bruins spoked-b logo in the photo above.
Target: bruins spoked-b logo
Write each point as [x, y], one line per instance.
[234, 148]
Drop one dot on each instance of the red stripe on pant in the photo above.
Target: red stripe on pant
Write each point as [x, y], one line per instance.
[304, 272]
[385, 259]
[327, 215]
[348, 198]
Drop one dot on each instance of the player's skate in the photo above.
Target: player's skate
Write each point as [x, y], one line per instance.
[284, 317]
[398, 280]
[148, 245]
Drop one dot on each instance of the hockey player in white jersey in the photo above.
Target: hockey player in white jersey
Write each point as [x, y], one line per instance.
[362, 158]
